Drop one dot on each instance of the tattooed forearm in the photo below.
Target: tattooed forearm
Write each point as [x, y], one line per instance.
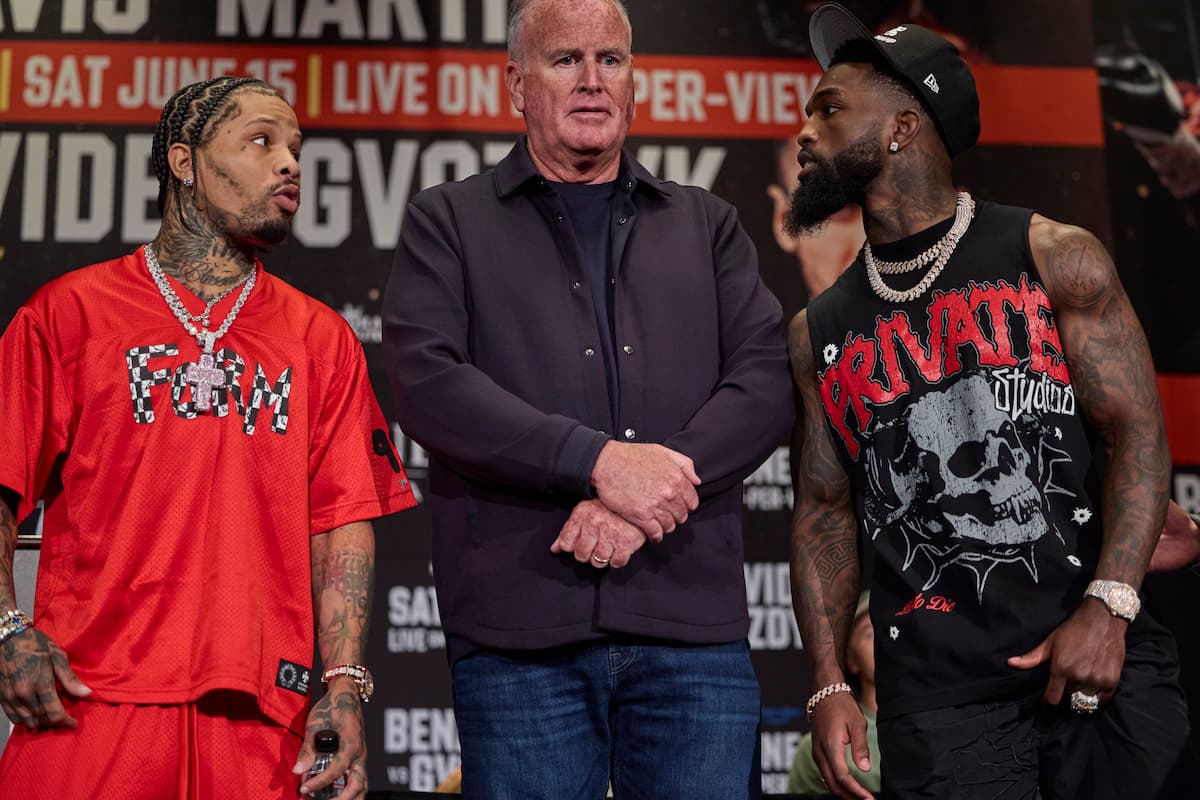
[8, 544]
[1115, 388]
[825, 579]
[838, 557]
[824, 557]
[343, 577]
[347, 576]
[343, 582]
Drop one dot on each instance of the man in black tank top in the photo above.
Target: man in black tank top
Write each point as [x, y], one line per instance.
[976, 393]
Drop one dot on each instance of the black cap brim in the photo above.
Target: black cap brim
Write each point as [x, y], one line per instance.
[832, 26]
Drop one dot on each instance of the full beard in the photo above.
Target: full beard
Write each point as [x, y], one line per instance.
[831, 185]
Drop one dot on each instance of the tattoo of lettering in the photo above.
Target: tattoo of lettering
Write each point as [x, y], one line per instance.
[194, 249]
[1116, 389]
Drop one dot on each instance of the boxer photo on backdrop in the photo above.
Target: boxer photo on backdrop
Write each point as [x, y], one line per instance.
[976, 393]
[208, 447]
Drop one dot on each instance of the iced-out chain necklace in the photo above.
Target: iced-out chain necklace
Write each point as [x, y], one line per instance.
[964, 212]
[205, 375]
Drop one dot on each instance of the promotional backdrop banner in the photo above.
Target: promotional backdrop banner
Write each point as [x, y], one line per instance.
[395, 96]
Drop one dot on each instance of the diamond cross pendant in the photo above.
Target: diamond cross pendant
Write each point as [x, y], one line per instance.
[205, 376]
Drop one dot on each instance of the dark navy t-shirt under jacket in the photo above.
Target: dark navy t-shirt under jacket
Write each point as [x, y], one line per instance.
[589, 207]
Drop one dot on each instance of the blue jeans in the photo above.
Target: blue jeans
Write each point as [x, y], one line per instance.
[659, 722]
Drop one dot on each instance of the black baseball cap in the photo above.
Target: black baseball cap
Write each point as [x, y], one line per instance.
[924, 60]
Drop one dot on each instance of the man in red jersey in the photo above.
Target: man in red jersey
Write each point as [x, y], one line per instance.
[211, 455]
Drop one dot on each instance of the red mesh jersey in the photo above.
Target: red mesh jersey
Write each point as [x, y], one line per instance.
[175, 551]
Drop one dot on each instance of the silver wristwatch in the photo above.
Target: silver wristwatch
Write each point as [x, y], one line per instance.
[1121, 598]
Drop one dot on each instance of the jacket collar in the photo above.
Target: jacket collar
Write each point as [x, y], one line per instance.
[516, 172]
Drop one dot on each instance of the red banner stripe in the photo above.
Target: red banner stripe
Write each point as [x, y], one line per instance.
[1181, 404]
[339, 87]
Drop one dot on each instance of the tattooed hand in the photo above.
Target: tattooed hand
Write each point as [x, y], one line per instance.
[339, 710]
[32, 667]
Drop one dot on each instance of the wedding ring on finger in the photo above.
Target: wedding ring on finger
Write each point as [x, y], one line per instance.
[1084, 703]
[601, 561]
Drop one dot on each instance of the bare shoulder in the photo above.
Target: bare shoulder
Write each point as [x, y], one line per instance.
[1074, 264]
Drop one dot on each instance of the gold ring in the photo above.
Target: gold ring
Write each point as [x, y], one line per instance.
[599, 560]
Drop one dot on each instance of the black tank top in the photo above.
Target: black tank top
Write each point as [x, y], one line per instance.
[971, 465]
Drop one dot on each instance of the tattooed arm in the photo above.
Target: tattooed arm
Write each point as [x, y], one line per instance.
[825, 572]
[31, 664]
[1116, 390]
[343, 582]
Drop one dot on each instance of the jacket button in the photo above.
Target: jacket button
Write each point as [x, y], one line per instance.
[628, 349]
[558, 217]
[576, 284]
[628, 185]
[630, 433]
[622, 220]
[589, 352]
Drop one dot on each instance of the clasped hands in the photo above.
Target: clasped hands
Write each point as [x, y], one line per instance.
[643, 491]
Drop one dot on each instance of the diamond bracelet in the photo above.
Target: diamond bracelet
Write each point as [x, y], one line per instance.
[831, 689]
[355, 672]
[13, 622]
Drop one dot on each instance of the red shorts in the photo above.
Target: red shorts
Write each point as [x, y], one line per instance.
[219, 748]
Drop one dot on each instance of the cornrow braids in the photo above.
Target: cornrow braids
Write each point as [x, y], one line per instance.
[186, 118]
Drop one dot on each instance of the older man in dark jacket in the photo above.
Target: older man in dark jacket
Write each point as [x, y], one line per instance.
[594, 365]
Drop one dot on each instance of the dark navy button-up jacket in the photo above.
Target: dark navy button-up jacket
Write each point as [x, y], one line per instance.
[493, 357]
